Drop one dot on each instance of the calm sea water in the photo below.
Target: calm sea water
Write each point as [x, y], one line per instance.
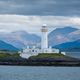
[39, 73]
[73, 54]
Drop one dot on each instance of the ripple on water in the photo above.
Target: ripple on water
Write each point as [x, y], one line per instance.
[39, 73]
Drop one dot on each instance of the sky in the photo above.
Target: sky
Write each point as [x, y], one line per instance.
[30, 15]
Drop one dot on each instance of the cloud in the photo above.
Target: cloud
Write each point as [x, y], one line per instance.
[4, 31]
[41, 7]
[32, 24]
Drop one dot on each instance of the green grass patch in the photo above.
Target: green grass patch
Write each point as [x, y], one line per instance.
[48, 55]
[6, 55]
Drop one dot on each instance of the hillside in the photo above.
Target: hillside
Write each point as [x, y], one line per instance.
[6, 46]
[74, 35]
[69, 46]
[61, 35]
[20, 39]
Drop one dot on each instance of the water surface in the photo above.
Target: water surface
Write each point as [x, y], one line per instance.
[39, 73]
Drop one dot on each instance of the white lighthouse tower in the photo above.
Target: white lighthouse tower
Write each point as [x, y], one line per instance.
[44, 39]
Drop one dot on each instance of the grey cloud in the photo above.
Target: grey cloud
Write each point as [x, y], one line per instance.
[41, 7]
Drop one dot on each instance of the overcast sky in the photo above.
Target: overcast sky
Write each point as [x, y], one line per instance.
[29, 15]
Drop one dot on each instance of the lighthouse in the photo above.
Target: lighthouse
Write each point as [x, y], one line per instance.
[44, 46]
[44, 37]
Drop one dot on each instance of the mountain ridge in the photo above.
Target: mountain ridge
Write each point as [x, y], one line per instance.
[21, 39]
[5, 46]
[61, 35]
[73, 46]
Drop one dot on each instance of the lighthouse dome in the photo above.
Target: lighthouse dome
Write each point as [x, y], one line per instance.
[44, 25]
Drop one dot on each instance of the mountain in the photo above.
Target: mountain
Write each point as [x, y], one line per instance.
[26, 38]
[65, 30]
[8, 38]
[61, 35]
[74, 35]
[6, 46]
[69, 46]
[20, 39]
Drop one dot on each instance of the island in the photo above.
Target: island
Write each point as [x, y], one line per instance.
[43, 59]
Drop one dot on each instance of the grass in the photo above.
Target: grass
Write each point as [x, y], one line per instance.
[52, 56]
[48, 55]
[4, 55]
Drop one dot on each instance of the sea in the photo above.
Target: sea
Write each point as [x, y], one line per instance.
[73, 54]
[39, 73]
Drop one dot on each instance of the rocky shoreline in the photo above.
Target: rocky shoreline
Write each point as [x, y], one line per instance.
[39, 60]
[26, 62]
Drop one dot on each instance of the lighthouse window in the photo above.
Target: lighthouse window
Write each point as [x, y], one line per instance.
[32, 50]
